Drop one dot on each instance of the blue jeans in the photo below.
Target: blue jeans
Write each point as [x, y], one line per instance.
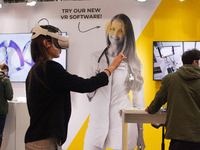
[183, 145]
[2, 124]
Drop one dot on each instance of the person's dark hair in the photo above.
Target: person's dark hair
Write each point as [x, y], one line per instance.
[4, 66]
[38, 50]
[189, 56]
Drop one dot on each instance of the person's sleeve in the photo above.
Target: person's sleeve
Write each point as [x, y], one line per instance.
[60, 79]
[159, 100]
[8, 89]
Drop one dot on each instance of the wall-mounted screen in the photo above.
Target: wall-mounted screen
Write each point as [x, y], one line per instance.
[167, 56]
[15, 51]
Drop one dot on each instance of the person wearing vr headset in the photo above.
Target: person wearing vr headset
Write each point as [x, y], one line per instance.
[48, 87]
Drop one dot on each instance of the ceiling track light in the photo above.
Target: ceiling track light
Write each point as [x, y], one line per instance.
[31, 2]
[141, 0]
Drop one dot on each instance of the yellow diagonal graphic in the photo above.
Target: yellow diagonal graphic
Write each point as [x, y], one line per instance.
[78, 142]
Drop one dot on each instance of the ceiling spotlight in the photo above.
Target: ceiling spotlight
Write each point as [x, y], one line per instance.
[181, 0]
[31, 2]
[141, 0]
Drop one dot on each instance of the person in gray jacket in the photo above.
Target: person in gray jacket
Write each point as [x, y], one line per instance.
[6, 93]
[181, 91]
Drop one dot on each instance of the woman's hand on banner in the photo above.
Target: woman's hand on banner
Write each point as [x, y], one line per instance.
[115, 64]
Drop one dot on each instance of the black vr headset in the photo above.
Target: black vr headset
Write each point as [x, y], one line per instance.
[60, 41]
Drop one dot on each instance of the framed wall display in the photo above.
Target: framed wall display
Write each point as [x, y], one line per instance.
[15, 51]
[167, 56]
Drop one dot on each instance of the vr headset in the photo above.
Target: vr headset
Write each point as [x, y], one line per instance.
[60, 41]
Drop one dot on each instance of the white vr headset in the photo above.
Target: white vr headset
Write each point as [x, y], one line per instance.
[60, 41]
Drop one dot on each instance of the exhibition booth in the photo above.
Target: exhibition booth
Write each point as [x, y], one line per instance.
[163, 30]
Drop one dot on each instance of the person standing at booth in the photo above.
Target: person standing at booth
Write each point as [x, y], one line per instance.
[48, 87]
[105, 122]
[6, 93]
[181, 91]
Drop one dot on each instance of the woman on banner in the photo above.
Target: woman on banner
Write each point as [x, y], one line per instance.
[105, 123]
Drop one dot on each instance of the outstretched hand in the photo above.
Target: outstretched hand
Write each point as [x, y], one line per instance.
[115, 64]
[117, 60]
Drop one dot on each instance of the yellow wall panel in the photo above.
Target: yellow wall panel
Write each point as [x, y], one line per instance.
[172, 21]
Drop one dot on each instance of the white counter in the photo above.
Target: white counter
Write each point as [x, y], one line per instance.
[136, 115]
[17, 122]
